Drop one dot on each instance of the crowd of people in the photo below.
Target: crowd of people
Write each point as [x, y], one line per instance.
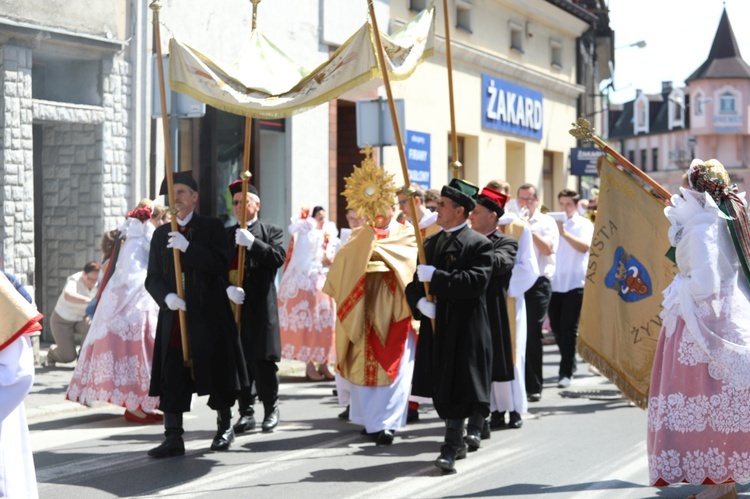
[460, 328]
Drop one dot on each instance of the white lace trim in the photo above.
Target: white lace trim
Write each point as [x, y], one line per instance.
[726, 412]
[697, 465]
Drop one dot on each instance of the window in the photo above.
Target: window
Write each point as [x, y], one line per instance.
[516, 37]
[644, 156]
[699, 102]
[641, 114]
[417, 5]
[726, 104]
[463, 15]
[631, 156]
[654, 159]
[555, 54]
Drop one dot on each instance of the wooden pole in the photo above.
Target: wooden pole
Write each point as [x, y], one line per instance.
[582, 130]
[400, 144]
[155, 6]
[455, 163]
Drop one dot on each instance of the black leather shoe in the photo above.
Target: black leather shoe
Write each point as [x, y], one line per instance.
[223, 440]
[173, 445]
[412, 416]
[534, 397]
[271, 420]
[344, 414]
[515, 420]
[246, 423]
[385, 437]
[497, 420]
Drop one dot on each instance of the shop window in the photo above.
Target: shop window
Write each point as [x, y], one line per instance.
[654, 159]
[555, 54]
[516, 37]
[417, 5]
[463, 15]
[644, 157]
[727, 103]
[631, 156]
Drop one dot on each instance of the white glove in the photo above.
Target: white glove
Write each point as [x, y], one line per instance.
[174, 302]
[424, 272]
[244, 237]
[236, 294]
[426, 307]
[177, 240]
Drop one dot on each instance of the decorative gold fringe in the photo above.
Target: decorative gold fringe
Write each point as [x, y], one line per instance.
[632, 393]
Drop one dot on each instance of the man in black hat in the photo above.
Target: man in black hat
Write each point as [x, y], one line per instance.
[263, 244]
[217, 368]
[459, 358]
[484, 219]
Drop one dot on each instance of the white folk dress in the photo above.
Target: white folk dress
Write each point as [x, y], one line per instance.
[699, 400]
[115, 361]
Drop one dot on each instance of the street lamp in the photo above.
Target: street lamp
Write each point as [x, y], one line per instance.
[640, 44]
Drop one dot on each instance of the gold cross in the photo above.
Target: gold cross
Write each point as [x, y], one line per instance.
[367, 151]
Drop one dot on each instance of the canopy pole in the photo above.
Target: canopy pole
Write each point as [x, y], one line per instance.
[399, 144]
[155, 6]
[455, 165]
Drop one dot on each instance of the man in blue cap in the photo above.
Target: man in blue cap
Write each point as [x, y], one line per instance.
[458, 358]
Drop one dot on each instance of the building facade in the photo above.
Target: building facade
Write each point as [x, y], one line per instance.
[708, 118]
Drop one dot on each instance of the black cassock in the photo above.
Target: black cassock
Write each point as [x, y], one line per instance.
[454, 365]
[260, 315]
[214, 343]
[504, 253]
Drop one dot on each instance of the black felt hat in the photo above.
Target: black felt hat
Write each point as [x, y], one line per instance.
[462, 192]
[185, 178]
[236, 186]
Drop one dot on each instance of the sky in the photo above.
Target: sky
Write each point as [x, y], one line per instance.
[678, 36]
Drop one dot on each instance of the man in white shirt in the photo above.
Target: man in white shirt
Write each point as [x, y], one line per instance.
[545, 236]
[576, 234]
[69, 316]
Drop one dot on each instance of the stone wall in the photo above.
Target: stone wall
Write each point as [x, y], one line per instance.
[16, 162]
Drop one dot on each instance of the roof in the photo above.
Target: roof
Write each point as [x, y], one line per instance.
[724, 60]
[621, 126]
[576, 10]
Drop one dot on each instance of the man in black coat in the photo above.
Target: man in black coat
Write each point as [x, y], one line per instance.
[484, 221]
[460, 357]
[263, 244]
[217, 367]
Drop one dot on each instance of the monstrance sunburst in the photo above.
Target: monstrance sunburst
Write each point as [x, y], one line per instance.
[370, 191]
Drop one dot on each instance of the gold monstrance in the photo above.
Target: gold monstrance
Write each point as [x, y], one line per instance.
[370, 191]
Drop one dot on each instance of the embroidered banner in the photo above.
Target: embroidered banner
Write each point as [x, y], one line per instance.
[627, 272]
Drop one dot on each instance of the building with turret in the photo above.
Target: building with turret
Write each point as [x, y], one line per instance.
[708, 118]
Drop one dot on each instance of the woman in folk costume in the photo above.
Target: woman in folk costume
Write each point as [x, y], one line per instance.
[307, 316]
[698, 417]
[115, 361]
[19, 318]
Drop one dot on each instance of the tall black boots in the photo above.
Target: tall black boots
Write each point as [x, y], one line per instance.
[224, 432]
[453, 448]
[271, 416]
[474, 431]
[173, 444]
[247, 415]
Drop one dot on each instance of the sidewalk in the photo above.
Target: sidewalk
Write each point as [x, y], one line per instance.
[46, 400]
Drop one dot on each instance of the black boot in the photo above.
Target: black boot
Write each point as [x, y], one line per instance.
[271, 416]
[246, 421]
[474, 431]
[486, 432]
[454, 447]
[224, 432]
[173, 444]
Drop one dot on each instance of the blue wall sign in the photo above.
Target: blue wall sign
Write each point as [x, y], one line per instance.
[511, 108]
[418, 158]
[583, 161]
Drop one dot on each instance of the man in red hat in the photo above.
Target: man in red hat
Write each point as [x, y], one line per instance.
[484, 220]
[217, 365]
[263, 244]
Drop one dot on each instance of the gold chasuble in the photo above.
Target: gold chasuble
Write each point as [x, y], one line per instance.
[367, 280]
[514, 229]
[18, 316]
